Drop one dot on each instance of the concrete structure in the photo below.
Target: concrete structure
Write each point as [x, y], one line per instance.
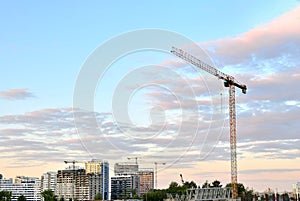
[84, 184]
[72, 184]
[129, 176]
[30, 187]
[146, 177]
[98, 172]
[126, 169]
[296, 191]
[124, 186]
[48, 181]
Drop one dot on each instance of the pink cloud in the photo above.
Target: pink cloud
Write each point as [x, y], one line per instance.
[265, 41]
[16, 94]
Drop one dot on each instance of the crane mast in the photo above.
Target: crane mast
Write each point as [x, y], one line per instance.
[231, 84]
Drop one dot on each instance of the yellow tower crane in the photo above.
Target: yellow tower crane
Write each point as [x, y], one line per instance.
[228, 82]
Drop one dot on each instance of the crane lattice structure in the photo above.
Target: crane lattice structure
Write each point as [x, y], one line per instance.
[230, 82]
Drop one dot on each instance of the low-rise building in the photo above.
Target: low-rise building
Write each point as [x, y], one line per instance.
[30, 187]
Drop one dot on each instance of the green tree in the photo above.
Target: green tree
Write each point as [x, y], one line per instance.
[206, 185]
[188, 185]
[5, 196]
[48, 195]
[155, 195]
[22, 198]
[244, 193]
[98, 196]
[216, 184]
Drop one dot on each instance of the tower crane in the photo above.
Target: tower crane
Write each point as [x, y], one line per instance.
[231, 83]
[136, 159]
[157, 163]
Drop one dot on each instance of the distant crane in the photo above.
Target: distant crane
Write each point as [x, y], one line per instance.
[136, 159]
[157, 163]
[228, 82]
[182, 181]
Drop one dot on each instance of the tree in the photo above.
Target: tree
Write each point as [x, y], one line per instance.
[188, 185]
[22, 198]
[206, 185]
[155, 195]
[5, 196]
[48, 195]
[216, 184]
[98, 196]
[244, 193]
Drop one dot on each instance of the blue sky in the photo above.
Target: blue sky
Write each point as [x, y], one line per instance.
[43, 46]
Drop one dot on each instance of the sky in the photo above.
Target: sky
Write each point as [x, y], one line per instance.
[145, 102]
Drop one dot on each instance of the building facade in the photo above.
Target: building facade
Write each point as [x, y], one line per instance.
[126, 169]
[72, 184]
[30, 187]
[48, 181]
[123, 187]
[129, 178]
[98, 173]
[84, 184]
[296, 191]
[146, 181]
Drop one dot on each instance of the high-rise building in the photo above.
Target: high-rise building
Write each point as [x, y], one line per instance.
[98, 172]
[30, 187]
[129, 174]
[146, 180]
[72, 184]
[123, 187]
[84, 184]
[126, 169]
[48, 181]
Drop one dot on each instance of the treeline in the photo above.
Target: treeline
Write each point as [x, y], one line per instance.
[246, 194]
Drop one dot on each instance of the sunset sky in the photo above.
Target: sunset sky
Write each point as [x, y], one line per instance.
[178, 114]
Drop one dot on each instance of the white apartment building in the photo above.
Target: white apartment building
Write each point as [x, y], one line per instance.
[30, 187]
[296, 191]
[48, 181]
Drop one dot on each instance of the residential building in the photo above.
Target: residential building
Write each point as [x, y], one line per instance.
[30, 187]
[146, 177]
[296, 191]
[126, 169]
[98, 172]
[48, 181]
[125, 186]
[72, 184]
[83, 184]
[143, 178]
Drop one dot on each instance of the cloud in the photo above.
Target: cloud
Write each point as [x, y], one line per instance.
[16, 94]
[278, 42]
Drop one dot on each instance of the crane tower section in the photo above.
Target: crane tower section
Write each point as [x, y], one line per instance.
[229, 82]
